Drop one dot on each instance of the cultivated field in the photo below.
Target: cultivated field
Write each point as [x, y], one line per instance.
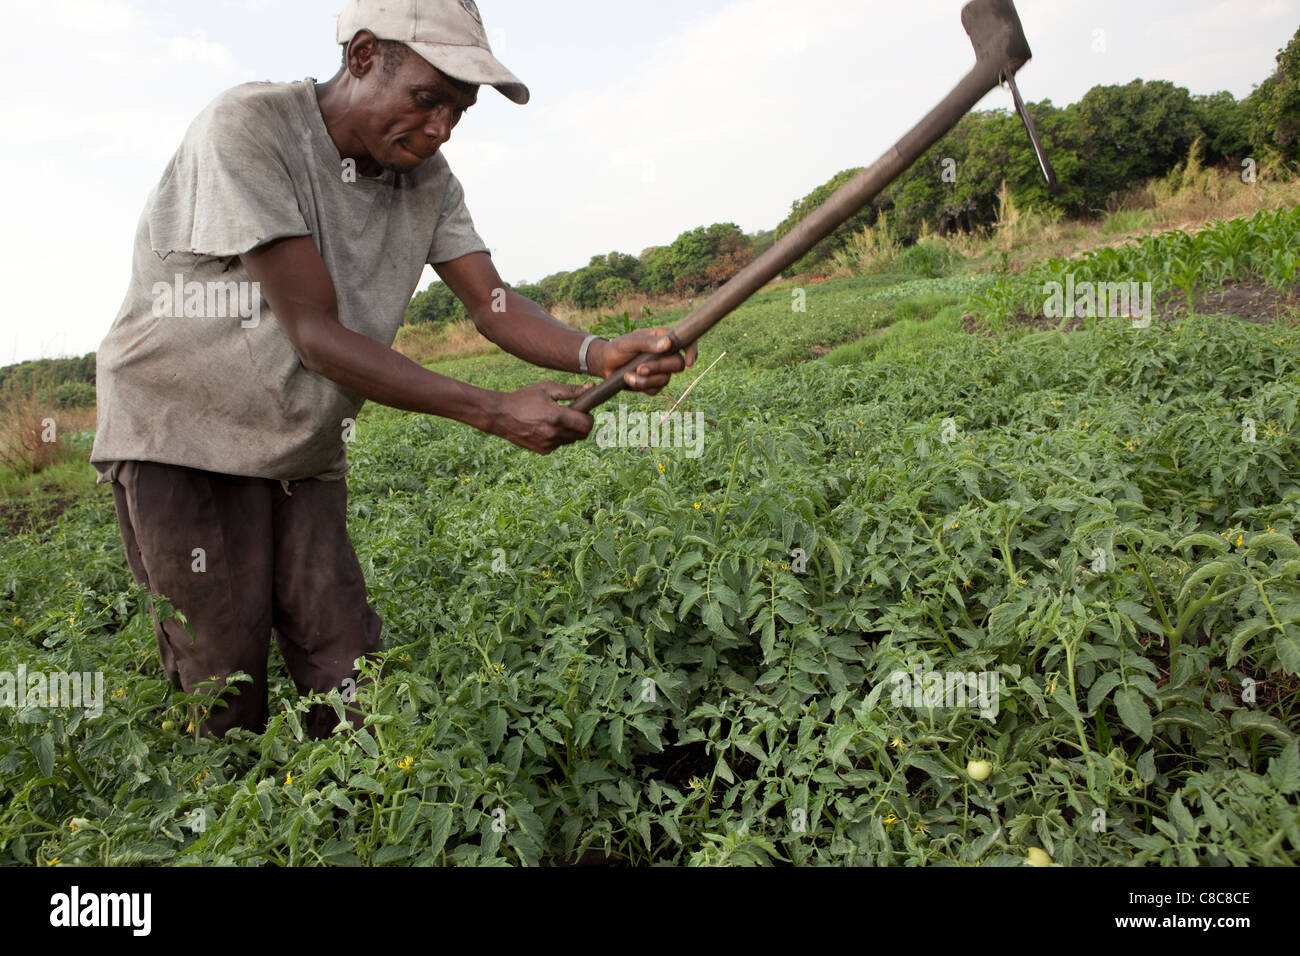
[637, 655]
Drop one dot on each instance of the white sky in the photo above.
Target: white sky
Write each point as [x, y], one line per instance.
[647, 119]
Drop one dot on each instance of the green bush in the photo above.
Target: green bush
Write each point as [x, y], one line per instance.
[74, 395]
[928, 260]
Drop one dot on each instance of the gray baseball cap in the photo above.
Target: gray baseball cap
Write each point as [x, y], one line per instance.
[447, 33]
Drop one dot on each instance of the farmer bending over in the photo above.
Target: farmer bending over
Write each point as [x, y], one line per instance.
[273, 265]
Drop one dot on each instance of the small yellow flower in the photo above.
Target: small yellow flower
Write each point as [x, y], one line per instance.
[405, 763]
[1241, 539]
[499, 667]
[697, 506]
[53, 862]
[897, 744]
[890, 820]
[661, 468]
[1270, 529]
[922, 828]
[288, 779]
[695, 783]
[190, 728]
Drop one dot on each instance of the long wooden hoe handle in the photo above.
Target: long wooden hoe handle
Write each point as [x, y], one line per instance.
[1000, 49]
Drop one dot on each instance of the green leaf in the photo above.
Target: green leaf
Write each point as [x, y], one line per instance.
[496, 728]
[1140, 615]
[1182, 816]
[439, 829]
[1133, 710]
[366, 782]
[1279, 544]
[366, 741]
[43, 748]
[1287, 646]
[406, 820]
[1203, 573]
[1200, 540]
[1284, 769]
[388, 854]
[1253, 720]
[1192, 717]
[841, 737]
[837, 558]
[1062, 698]
[691, 595]
[1244, 632]
[1218, 820]
[1146, 767]
[1101, 688]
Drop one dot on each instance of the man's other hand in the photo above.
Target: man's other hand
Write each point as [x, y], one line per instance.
[532, 418]
[651, 376]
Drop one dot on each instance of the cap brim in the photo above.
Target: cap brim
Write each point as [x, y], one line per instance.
[472, 64]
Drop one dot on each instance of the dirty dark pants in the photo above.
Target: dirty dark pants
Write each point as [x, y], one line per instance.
[240, 558]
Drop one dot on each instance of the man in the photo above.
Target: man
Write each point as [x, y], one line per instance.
[273, 264]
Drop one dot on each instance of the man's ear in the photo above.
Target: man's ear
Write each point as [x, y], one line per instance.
[363, 54]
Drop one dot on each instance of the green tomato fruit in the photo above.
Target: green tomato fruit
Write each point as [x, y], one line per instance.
[1038, 857]
[979, 770]
[169, 725]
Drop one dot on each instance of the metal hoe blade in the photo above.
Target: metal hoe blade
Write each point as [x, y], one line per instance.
[1044, 163]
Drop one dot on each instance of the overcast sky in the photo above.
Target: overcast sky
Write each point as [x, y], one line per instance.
[647, 119]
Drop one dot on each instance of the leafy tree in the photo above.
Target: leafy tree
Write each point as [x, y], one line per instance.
[1124, 134]
[697, 260]
[609, 291]
[581, 287]
[537, 293]
[436, 305]
[553, 287]
[1225, 128]
[1275, 124]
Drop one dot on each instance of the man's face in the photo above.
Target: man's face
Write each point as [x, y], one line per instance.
[409, 116]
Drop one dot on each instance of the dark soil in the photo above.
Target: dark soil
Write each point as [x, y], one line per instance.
[34, 513]
[1253, 301]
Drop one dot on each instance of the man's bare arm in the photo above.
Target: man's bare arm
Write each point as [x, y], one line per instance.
[298, 287]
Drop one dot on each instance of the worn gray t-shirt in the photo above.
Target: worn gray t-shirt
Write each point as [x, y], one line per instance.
[196, 370]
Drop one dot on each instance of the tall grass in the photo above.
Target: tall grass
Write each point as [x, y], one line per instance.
[440, 343]
[35, 435]
[869, 251]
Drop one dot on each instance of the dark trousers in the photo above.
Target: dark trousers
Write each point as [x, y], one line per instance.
[240, 558]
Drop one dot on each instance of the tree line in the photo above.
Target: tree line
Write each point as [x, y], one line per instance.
[1111, 141]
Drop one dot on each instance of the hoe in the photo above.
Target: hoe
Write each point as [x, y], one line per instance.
[1000, 51]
